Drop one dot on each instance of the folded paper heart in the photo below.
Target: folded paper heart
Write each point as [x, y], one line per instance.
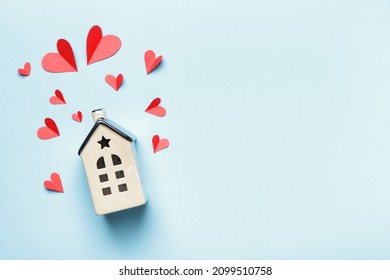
[159, 144]
[115, 83]
[100, 47]
[49, 131]
[55, 184]
[155, 109]
[63, 61]
[78, 117]
[151, 61]
[26, 70]
[58, 98]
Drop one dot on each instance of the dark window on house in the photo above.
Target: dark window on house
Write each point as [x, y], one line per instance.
[116, 160]
[103, 178]
[100, 163]
[122, 187]
[106, 191]
[119, 174]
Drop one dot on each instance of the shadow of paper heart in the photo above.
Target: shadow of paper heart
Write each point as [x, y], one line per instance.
[159, 67]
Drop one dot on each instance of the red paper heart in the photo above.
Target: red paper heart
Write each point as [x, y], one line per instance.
[99, 47]
[63, 61]
[49, 131]
[58, 98]
[159, 144]
[78, 117]
[156, 110]
[151, 61]
[115, 83]
[25, 71]
[55, 184]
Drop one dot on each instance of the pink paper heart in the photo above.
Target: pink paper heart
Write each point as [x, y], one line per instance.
[100, 47]
[49, 131]
[63, 61]
[26, 70]
[115, 83]
[78, 117]
[155, 109]
[151, 61]
[55, 184]
[58, 98]
[159, 144]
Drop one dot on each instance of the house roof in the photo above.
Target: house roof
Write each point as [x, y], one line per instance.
[111, 125]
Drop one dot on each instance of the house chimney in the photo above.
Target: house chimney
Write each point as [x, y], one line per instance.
[98, 114]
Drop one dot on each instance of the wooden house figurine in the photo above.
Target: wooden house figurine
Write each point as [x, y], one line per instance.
[110, 162]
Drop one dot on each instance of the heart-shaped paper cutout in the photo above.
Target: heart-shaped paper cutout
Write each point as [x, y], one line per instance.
[115, 83]
[159, 144]
[55, 184]
[63, 61]
[155, 109]
[100, 47]
[151, 61]
[49, 131]
[58, 98]
[78, 117]
[26, 70]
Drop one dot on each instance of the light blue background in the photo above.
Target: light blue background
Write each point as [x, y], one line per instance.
[278, 114]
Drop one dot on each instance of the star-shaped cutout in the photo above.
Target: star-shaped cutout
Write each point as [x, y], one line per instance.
[104, 143]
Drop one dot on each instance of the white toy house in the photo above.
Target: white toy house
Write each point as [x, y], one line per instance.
[110, 162]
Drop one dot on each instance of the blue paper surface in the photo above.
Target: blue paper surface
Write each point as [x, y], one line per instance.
[277, 114]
